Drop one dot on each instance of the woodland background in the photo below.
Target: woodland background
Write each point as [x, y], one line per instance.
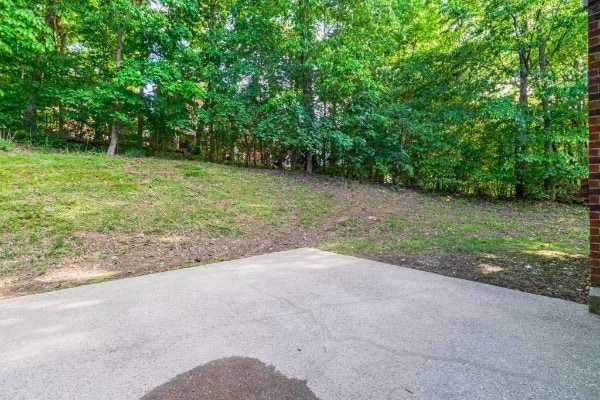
[473, 97]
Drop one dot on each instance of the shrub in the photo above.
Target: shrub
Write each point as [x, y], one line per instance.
[135, 152]
[6, 145]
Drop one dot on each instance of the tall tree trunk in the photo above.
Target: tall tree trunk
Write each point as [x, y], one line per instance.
[198, 139]
[62, 49]
[521, 31]
[247, 146]
[211, 141]
[547, 116]
[521, 165]
[333, 161]
[307, 80]
[545, 97]
[307, 90]
[36, 79]
[140, 123]
[232, 151]
[116, 124]
[209, 101]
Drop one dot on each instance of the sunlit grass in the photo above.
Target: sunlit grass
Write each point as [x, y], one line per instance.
[50, 202]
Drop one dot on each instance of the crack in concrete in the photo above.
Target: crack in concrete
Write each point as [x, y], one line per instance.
[395, 352]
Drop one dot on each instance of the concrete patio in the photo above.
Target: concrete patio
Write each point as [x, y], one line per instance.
[351, 328]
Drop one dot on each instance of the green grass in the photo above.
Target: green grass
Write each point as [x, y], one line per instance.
[47, 200]
[450, 225]
[55, 207]
[48, 194]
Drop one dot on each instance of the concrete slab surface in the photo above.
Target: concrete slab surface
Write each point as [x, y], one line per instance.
[351, 328]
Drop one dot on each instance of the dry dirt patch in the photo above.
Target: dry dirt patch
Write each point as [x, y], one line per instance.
[134, 217]
[233, 378]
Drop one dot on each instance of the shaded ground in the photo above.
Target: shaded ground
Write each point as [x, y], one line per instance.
[232, 379]
[67, 220]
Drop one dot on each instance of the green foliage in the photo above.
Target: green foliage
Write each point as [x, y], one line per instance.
[21, 28]
[135, 152]
[6, 145]
[476, 97]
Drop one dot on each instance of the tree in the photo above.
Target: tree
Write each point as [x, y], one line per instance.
[469, 96]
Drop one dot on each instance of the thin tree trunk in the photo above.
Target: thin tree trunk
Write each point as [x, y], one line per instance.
[211, 142]
[62, 34]
[247, 145]
[307, 80]
[232, 151]
[36, 79]
[545, 97]
[211, 125]
[521, 165]
[140, 124]
[116, 124]
[307, 89]
[523, 124]
[198, 139]
[547, 116]
[333, 161]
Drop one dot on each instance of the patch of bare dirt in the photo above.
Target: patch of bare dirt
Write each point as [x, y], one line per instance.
[110, 256]
[233, 378]
[117, 255]
[556, 279]
[354, 212]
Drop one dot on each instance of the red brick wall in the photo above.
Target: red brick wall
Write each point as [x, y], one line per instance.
[594, 140]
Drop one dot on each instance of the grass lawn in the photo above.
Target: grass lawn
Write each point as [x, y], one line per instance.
[67, 220]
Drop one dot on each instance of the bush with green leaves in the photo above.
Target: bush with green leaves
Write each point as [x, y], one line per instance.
[6, 145]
